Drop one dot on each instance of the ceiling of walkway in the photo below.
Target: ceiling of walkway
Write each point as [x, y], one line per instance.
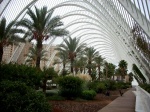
[104, 24]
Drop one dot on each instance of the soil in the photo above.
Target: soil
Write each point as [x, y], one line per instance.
[98, 103]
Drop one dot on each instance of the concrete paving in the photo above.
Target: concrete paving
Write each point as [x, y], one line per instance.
[125, 103]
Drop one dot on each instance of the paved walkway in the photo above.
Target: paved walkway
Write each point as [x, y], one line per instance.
[125, 103]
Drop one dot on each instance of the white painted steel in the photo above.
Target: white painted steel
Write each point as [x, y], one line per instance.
[142, 100]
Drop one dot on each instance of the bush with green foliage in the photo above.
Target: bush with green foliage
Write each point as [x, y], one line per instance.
[27, 74]
[93, 85]
[110, 84]
[101, 87]
[70, 86]
[88, 94]
[18, 97]
[122, 85]
[97, 86]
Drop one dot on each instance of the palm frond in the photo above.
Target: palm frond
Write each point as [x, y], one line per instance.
[16, 38]
[9, 27]
[25, 23]
[32, 15]
[58, 32]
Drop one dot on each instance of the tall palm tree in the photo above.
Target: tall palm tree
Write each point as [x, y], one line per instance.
[90, 54]
[63, 58]
[105, 70]
[123, 67]
[111, 70]
[99, 62]
[41, 26]
[8, 34]
[32, 56]
[82, 62]
[73, 48]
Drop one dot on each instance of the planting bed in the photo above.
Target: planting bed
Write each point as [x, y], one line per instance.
[79, 105]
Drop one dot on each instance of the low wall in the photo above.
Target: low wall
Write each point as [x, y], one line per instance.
[142, 100]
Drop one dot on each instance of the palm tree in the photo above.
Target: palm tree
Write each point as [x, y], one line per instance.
[99, 62]
[118, 73]
[32, 55]
[82, 62]
[105, 70]
[48, 73]
[73, 48]
[8, 35]
[90, 54]
[111, 70]
[41, 26]
[63, 58]
[123, 67]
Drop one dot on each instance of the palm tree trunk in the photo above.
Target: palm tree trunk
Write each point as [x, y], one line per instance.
[76, 70]
[99, 73]
[39, 49]
[90, 68]
[71, 66]
[1, 52]
[44, 86]
[81, 69]
[84, 70]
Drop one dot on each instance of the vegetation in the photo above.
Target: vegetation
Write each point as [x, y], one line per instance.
[145, 87]
[88, 94]
[70, 86]
[32, 56]
[123, 68]
[72, 48]
[14, 72]
[48, 73]
[18, 83]
[8, 35]
[138, 73]
[16, 96]
[99, 62]
[41, 26]
[90, 54]
[141, 41]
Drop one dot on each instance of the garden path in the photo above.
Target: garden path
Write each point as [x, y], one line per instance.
[124, 103]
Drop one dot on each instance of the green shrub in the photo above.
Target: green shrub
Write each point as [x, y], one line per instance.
[93, 85]
[14, 72]
[18, 97]
[122, 85]
[110, 85]
[101, 87]
[70, 86]
[88, 94]
[97, 86]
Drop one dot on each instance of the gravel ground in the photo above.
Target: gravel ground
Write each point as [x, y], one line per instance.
[98, 103]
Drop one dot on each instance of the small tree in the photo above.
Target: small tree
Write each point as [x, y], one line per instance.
[48, 73]
[70, 86]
